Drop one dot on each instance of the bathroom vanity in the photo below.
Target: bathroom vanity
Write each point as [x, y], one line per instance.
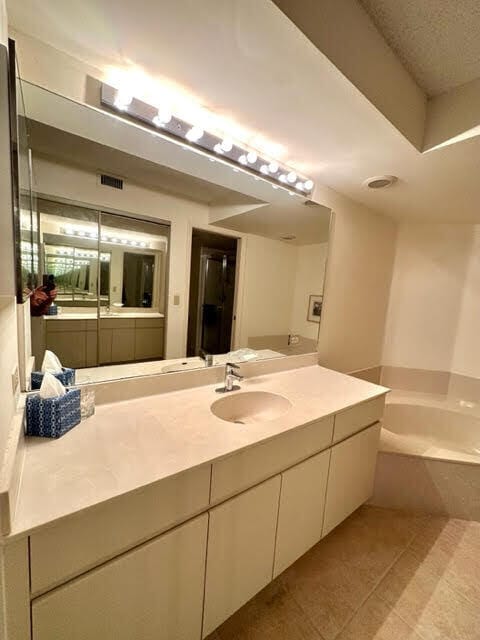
[157, 519]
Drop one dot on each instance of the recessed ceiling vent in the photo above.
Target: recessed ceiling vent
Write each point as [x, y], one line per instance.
[380, 182]
[111, 181]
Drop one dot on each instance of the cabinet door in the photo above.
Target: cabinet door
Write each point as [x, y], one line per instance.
[241, 543]
[123, 345]
[351, 476]
[69, 346]
[154, 592]
[148, 342]
[300, 516]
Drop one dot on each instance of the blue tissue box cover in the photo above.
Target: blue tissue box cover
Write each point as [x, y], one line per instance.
[52, 417]
[66, 377]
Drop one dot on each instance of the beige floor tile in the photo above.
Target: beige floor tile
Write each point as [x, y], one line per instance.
[376, 621]
[336, 576]
[427, 603]
[450, 549]
[271, 615]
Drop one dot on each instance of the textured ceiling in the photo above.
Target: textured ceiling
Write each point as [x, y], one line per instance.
[437, 40]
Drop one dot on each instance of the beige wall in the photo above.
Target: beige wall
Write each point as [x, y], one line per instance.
[309, 277]
[359, 272]
[343, 31]
[435, 302]
[466, 354]
[75, 183]
[269, 284]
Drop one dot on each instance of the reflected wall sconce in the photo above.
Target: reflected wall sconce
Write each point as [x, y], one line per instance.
[193, 135]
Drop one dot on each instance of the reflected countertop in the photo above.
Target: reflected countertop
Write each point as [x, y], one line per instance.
[115, 315]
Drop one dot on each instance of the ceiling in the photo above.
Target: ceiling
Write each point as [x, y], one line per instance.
[265, 74]
[437, 40]
[101, 159]
[308, 224]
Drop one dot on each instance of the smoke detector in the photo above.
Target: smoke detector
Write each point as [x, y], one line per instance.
[380, 182]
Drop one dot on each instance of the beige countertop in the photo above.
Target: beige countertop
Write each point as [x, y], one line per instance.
[93, 316]
[130, 444]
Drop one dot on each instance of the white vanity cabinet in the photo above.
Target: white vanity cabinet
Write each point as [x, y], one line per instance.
[176, 558]
[241, 545]
[351, 475]
[154, 592]
[300, 514]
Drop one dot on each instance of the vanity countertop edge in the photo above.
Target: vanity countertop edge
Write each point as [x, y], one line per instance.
[129, 445]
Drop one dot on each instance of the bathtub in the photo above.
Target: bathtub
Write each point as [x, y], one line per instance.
[429, 458]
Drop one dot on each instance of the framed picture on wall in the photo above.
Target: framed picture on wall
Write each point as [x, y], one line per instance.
[314, 308]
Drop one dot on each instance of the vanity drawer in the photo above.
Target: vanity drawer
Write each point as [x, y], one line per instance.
[88, 539]
[117, 323]
[357, 418]
[55, 326]
[149, 323]
[242, 470]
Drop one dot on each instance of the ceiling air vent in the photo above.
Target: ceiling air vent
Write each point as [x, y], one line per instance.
[111, 181]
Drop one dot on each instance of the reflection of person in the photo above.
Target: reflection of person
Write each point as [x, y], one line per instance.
[43, 296]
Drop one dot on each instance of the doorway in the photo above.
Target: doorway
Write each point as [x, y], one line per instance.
[212, 292]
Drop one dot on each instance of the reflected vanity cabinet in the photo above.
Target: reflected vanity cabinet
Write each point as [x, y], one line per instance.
[119, 339]
[176, 559]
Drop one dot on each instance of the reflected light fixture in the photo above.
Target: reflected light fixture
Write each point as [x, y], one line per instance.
[194, 136]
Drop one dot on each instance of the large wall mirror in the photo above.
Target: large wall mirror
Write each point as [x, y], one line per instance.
[148, 268]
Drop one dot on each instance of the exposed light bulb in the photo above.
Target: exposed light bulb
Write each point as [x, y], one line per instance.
[273, 167]
[123, 99]
[264, 169]
[243, 159]
[299, 186]
[113, 240]
[162, 118]
[226, 144]
[308, 185]
[81, 233]
[252, 157]
[291, 177]
[124, 241]
[134, 243]
[194, 134]
[143, 244]
[282, 177]
[218, 148]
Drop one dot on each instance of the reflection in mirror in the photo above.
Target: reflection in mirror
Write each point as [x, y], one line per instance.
[168, 272]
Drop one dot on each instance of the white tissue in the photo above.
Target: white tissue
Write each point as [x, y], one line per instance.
[51, 387]
[243, 355]
[51, 364]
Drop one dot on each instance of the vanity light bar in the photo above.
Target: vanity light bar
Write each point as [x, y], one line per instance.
[80, 232]
[237, 154]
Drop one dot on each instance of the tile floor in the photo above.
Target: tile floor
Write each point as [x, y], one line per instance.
[381, 575]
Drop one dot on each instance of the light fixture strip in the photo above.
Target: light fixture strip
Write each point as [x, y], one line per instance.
[165, 122]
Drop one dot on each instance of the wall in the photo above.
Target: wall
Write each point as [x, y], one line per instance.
[429, 273]
[310, 274]
[75, 183]
[466, 354]
[269, 285]
[359, 271]
[8, 313]
[435, 304]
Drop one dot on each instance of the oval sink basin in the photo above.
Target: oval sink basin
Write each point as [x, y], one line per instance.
[251, 407]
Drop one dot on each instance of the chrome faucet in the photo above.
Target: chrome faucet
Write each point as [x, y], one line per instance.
[230, 377]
